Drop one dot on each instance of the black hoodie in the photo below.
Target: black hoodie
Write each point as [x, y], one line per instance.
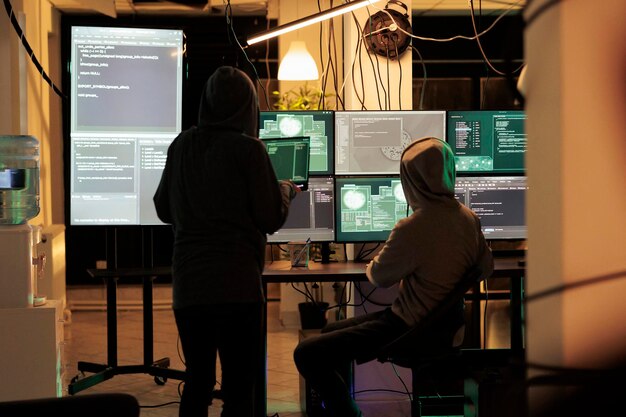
[220, 193]
[428, 252]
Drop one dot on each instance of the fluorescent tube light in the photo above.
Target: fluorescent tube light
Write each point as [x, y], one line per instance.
[310, 20]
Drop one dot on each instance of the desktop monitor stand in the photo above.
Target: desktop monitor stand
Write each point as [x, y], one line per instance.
[325, 252]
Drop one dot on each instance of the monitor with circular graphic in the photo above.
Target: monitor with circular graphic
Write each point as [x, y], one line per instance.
[316, 124]
[367, 208]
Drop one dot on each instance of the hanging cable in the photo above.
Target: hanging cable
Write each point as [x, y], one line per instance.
[421, 105]
[388, 80]
[229, 23]
[482, 102]
[267, 58]
[29, 50]
[376, 71]
[338, 99]
[358, 56]
[379, 80]
[400, 83]
[480, 46]
[469, 38]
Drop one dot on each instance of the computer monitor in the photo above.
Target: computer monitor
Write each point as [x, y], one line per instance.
[125, 111]
[367, 208]
[371, 142]
[290, 159]
[499, 202]
[318, 125]
[311, 214]
[488, 141]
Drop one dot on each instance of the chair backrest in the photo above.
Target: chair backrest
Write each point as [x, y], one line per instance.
[431, 336]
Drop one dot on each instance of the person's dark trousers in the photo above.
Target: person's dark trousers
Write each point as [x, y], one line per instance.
[320, 359]
[232, 330]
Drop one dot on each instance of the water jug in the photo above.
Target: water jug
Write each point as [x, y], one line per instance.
[19, 179]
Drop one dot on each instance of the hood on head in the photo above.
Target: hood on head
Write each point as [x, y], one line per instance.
[229, 100]
[427, 172]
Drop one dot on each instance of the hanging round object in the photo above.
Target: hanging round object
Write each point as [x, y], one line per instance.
[384, 32]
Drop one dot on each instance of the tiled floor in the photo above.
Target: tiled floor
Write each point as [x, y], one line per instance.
[85, 337]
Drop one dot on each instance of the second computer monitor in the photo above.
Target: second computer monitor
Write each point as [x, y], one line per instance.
[318, 125]
[488, 141]
[371, 142]
[311, 214]
[499, 202]
[367, 208]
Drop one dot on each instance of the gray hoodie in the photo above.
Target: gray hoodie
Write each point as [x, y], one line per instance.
[428, 252]
[219, 191]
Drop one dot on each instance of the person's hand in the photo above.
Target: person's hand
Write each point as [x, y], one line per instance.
[290, 188]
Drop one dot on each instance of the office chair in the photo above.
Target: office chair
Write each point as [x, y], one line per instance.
[92, 405]
[427, 348]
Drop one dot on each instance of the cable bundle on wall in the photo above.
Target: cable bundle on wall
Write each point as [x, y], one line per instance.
[29, 50]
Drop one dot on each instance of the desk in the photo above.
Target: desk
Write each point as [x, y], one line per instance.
[282, 272]
[101, 372]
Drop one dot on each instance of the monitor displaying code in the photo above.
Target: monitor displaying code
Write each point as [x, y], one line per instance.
[499, 202]
[311, 214]
[488, 141]
[125, 110]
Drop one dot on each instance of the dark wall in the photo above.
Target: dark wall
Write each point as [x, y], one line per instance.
[456, 78]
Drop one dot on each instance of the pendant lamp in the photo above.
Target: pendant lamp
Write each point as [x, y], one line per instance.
[298, 64]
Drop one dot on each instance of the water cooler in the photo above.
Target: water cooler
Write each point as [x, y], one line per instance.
[19, 202]
[31, 352]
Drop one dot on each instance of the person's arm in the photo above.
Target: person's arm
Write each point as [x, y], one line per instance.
[161, 196]
[485, 256]
[269, 197]
[395, 261]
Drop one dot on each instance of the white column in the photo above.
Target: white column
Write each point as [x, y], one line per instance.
[381, 84]
[576, 163]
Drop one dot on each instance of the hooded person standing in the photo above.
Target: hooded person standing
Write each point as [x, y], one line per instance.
[219, 192]
[426, 254]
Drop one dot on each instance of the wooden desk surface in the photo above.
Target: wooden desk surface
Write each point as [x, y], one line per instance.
[282, 271]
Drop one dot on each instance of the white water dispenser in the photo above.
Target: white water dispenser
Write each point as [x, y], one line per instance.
[19, 202]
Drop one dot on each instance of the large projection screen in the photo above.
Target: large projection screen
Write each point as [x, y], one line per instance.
[126, 101]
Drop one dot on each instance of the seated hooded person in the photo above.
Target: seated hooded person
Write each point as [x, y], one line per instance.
[426, 255]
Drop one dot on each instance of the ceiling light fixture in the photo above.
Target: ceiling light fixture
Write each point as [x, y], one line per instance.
[310, 20]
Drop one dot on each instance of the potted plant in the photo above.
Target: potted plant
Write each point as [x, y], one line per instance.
[305, 97]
